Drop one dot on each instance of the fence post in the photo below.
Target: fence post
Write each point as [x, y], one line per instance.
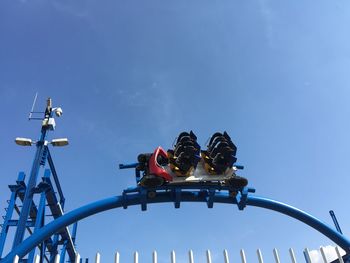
[226, 256]
[116, 257]
[173, 258]
[57, 258]
[340, 258]
[292, 255]
[260, 257]
[307, 255]
[243, 256]
[275, 253]
[77, 258]
[97, 258]
[323, 253]
[208, 256]
[190, 256]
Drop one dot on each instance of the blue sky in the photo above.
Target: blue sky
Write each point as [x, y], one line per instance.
[131, 75]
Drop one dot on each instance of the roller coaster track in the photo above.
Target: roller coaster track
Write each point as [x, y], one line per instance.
[176, 195]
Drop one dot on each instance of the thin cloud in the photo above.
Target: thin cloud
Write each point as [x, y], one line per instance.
[268, 17]
[72, 7]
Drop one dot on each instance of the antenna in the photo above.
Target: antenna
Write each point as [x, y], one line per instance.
[32, 110]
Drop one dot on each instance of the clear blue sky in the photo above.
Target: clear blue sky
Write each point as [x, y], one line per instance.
[130, 75]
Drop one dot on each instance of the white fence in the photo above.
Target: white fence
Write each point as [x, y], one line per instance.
[309, 258]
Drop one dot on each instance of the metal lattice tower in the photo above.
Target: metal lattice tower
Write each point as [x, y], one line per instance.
[32, 216]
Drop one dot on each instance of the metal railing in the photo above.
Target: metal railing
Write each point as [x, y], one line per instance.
[308, 257]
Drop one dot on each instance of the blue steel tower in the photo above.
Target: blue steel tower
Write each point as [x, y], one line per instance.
[31, 216]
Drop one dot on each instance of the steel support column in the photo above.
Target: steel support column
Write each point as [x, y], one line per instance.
[28, 196]
[10, 209]
[5, 226]
[39, 222]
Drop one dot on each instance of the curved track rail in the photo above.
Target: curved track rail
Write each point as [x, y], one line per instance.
[140, 196]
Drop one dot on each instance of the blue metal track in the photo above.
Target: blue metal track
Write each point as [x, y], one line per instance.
[176, 195]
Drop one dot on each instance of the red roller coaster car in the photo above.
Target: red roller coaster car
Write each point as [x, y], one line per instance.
[184, 165]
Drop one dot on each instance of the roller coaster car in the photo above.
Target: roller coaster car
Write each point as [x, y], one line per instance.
[183, 165]
[153, 167]
[183, 159]
[220, 154]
